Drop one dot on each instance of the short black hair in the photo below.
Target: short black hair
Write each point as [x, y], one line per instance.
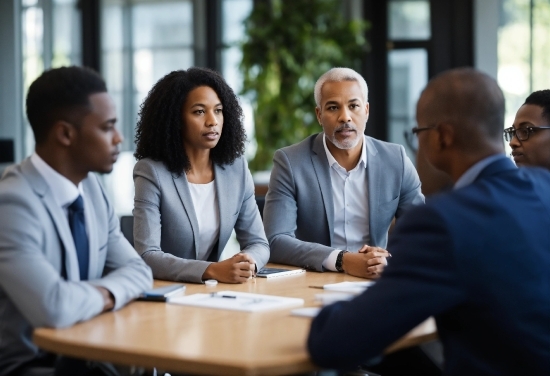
[541, 98]
[159, 128]
[61, 94]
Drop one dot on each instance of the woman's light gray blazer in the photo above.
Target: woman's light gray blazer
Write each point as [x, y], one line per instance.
[165, 222]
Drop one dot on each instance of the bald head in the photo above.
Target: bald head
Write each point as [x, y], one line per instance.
[469, 100]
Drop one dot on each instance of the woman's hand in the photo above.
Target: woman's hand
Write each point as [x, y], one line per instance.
[237, 269]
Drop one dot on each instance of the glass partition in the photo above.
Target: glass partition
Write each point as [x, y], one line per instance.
[407, 76]
[523, 51]
[409, 20]
[141, 42]
[50, 38]
[234, 12]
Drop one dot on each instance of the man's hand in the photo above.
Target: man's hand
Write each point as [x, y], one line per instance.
[108, 298]
[237, 269]
[368, 262]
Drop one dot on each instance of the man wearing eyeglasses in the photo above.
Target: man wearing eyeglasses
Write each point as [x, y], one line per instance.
[529, 137]
[476, 258]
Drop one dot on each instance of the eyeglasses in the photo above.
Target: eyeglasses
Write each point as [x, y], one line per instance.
[417, 130]
[521, 133]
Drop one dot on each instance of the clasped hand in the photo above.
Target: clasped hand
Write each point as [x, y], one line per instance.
[237, 269]
[368, 262]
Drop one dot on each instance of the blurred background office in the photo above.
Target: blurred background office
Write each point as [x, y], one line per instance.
[400, 44]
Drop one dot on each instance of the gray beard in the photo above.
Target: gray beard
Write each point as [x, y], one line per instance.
[347, 144]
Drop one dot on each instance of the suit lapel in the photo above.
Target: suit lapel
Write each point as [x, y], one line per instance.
[90, 215]
[374, 181]
[182, 186]
[59, 218]
[321, 167]
[222, 182]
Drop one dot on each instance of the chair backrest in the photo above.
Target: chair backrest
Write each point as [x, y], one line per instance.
[127, 227]
[260, 201]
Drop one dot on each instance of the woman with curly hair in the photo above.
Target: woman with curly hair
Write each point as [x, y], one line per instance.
[192, 183]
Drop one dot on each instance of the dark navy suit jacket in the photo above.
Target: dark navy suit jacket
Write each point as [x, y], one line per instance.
[478, 259]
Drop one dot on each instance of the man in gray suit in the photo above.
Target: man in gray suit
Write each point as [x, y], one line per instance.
[63, 258]
[333, 196]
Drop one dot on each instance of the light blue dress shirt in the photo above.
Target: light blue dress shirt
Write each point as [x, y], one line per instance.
[351, 206]
[472, 173]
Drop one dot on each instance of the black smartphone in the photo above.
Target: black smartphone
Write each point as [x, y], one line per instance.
[161, 294]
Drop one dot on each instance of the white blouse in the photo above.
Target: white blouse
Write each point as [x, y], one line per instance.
[205, 202]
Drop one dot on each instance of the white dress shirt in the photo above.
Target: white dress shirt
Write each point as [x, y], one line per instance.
[351, 206]
[205, 202]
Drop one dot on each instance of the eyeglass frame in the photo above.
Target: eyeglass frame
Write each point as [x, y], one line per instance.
[512, 132]
[417, 130]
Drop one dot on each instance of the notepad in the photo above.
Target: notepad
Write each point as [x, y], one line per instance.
[238, 301]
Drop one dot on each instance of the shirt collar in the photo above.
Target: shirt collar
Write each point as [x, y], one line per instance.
[63, 190]
[473, 172]
[332, 161]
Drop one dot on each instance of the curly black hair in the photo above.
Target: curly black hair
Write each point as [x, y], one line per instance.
[159, 128]
[541, 98]
[61, 94]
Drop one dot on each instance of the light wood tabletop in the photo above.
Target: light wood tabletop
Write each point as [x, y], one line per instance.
[208, 341]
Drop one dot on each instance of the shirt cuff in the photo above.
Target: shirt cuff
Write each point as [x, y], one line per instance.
[330, 261]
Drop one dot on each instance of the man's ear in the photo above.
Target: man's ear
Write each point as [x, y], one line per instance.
[63, 132]
[447, 135]
[318, 114]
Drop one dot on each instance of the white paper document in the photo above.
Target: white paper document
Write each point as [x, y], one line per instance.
[333, 297]
[238, 301]
[351, 287]
[305, 312]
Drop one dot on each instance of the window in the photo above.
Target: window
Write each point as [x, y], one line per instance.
[409, 33]
[50, 38]
[234, 12]
[523, 51]
[141, 42]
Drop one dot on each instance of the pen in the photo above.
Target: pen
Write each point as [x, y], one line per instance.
[317, 287]
[215, 295]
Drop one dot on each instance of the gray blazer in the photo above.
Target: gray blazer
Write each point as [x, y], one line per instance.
[165, 222]
[299, 209]
[34, 240]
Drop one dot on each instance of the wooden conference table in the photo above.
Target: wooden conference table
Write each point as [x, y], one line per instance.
[208, 341]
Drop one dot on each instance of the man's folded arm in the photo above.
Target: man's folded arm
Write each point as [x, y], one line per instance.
[280, 215]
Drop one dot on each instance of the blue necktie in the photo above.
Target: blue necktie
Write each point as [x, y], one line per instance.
[78, 229]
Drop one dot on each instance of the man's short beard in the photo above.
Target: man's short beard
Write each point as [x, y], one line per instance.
[348, 143]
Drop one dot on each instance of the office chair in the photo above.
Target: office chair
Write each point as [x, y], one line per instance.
[127, 227]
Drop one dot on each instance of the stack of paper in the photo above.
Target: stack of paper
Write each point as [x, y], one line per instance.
[238, 301]
[350, 287]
